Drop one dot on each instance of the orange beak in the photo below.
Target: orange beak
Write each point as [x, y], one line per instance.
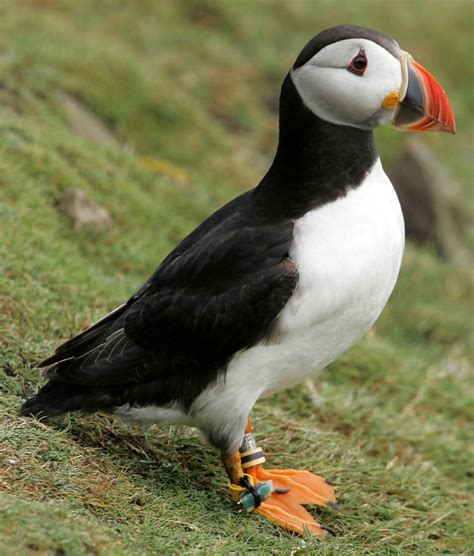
[423, 104]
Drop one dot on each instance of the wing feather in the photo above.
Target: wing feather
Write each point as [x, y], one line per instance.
[218, 292]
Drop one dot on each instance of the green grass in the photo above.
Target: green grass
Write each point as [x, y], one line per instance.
[195, 83]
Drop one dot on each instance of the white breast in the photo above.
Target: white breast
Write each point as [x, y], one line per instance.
[348, 255]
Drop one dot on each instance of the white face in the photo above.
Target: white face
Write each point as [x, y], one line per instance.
[336, 94]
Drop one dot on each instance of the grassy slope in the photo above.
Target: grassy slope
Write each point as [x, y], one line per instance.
[195, 83]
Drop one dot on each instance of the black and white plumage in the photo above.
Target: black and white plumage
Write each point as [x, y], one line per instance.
[272, 286]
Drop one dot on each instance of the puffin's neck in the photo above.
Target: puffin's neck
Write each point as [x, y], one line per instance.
[316, 161]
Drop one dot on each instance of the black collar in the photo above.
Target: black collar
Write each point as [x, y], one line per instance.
[316, 162]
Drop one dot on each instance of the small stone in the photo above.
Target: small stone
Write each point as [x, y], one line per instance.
[83, 213]
[84, 122]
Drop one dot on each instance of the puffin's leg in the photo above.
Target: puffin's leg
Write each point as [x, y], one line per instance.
[291, 489]
[233, 467]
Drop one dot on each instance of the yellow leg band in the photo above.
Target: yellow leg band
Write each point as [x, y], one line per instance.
[237, 490]
[252, 457]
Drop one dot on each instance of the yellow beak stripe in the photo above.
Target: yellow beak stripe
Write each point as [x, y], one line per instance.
[391, 100]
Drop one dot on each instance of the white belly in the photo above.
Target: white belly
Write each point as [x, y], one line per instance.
[348, 255]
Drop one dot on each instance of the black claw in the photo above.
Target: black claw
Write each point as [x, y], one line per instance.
[330, 530]
[281, 490]
[334, 506]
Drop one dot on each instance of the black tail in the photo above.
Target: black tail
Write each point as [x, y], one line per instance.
[56, 398]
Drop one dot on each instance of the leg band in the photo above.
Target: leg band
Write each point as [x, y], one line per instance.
[251, 458]
[244, 481]
[250, 453]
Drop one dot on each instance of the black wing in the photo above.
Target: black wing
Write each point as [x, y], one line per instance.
[218, 292]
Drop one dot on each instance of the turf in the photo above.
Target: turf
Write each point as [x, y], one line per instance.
[189, 90]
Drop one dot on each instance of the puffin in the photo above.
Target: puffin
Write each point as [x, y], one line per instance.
[273, 286]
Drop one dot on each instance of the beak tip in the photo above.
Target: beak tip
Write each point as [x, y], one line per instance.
[450, 127]
[425, 105]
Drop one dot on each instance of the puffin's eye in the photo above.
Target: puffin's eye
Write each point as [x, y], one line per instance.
[358, 64]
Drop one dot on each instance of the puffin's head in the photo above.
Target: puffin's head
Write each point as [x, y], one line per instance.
[354, 76]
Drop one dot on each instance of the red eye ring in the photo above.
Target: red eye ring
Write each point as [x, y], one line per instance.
[358, 64]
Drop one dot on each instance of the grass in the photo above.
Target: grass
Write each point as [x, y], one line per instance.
[193, 85]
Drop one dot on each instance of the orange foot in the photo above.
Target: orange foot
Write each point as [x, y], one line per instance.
[292, 489]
